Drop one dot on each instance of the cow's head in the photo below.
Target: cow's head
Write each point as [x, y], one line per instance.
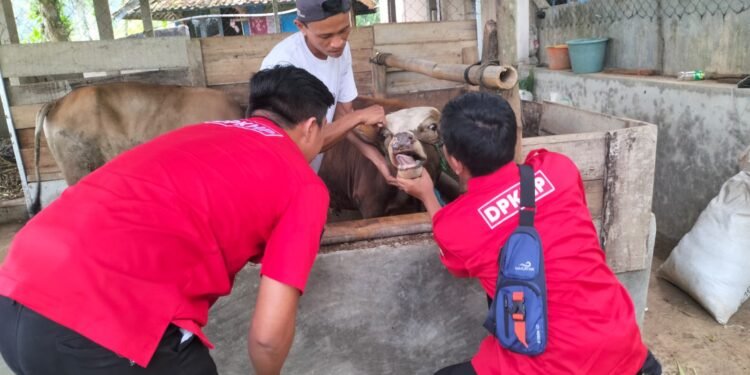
[406, 135]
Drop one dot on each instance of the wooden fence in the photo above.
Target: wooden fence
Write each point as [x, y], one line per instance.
[221, 63]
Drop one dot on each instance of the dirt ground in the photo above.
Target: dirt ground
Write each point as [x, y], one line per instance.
[676, 328]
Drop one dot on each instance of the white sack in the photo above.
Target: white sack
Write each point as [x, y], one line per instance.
[712, 261]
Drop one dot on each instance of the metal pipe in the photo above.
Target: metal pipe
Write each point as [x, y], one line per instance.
[16, 146]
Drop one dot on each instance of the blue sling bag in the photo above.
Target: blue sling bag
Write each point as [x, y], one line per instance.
[518, 313]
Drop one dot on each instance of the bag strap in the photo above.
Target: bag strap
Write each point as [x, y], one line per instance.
[528, 201]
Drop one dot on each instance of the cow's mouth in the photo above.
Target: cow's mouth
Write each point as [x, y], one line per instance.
[408, 163]
[408, 160]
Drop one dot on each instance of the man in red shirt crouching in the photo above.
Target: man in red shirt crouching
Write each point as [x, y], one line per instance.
[118, 274]
[591, 319]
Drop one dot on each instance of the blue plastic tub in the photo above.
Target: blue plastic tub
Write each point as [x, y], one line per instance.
[587, 55]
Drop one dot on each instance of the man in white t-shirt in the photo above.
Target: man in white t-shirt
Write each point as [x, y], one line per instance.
[321, 48]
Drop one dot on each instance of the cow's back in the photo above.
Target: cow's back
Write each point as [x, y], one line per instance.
[93, 124]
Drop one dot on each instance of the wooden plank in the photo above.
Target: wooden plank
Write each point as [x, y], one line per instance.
[363, 81]
[382, 227]
[25, 138]
[97, 56]
[361, 60]
[47, 165]
[587, 150]
[235, 59]
[408, 82]
[562, 119]
[440, 52]
[196, 70]
[361, 38]
[594, 197]
[38, 93]
[629, 183]
[24, 116]
[424, 32]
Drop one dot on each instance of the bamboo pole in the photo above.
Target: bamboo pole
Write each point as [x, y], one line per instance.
[493, 76]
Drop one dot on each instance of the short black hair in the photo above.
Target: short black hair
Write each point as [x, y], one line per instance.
[289, 92]
[479, 130]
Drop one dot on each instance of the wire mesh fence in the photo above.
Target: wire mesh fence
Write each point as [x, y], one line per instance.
[608, 11]
[431, 10]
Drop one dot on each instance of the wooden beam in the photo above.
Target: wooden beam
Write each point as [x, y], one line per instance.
[22, 60]
[148, 26]
[381, 227]
[103, 19]
[8, 31]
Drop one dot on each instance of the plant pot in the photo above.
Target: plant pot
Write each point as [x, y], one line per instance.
[558, 57]
[587, 55]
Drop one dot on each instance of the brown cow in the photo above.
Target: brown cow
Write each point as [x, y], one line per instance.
[93, 124]
[409, 140]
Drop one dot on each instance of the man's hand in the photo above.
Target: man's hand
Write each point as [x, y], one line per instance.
[423, 189]
[420, 187]
[372, 154]
[372, 115]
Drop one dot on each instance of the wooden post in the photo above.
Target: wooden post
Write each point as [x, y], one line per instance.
[8, 31]
[148, 26]
[498, 16]
[103, 19]
[276, 18]
[379, 81]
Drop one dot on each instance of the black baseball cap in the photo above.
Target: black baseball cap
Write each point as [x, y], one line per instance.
[316, 10]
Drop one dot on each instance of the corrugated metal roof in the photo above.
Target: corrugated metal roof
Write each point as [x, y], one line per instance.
[164, 9]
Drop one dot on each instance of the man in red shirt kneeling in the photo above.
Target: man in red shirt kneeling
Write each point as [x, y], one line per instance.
[117, 275]
[591, 319]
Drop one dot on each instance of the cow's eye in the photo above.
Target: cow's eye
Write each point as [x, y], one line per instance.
[385, 132]
[433, 127]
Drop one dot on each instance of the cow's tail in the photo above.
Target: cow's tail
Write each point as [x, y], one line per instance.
[36, 205]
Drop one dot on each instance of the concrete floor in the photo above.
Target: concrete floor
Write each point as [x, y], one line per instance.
[676, 328]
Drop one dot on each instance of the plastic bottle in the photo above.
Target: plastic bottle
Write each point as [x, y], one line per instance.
[693, 75]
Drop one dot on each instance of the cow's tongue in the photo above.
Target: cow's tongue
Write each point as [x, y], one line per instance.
[405, 161]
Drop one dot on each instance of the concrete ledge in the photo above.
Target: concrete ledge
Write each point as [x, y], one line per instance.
[12, 211]
[702, 128]
[386, 309]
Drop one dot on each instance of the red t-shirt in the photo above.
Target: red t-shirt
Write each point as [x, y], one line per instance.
[157, 235]
[592, 326]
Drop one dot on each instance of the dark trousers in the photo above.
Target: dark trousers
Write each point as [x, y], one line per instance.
[34, 345]
[650, 367]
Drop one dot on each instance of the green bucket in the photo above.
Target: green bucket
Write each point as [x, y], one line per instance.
[587, 55]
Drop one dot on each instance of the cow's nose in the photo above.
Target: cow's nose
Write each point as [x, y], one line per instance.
[402, 140]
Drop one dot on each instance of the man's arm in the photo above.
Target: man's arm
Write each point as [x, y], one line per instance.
[272, 326]
[346, 119]
[366, 149]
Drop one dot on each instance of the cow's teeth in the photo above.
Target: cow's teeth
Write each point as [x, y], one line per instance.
[405, 161]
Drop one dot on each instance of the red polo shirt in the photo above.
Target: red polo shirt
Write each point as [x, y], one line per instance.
[592, 326]
[157, 235]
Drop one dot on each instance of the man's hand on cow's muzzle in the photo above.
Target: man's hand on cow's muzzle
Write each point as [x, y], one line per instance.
[420, 187]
